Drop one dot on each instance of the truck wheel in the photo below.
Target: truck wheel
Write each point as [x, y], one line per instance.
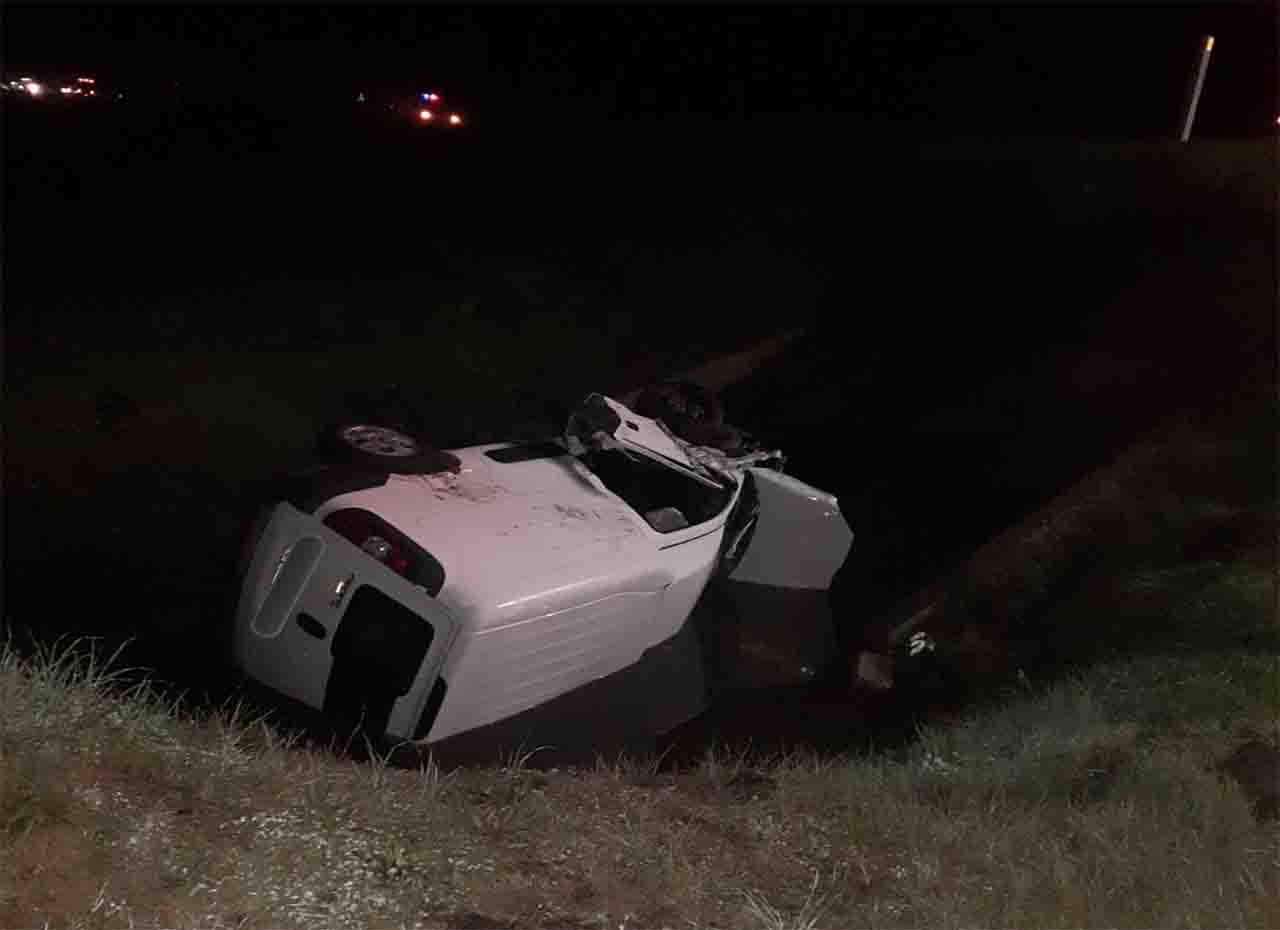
[694, 413]
[680, 400]
[384, 447]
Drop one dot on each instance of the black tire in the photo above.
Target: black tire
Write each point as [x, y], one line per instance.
[694, 413]
[385, 448]
[681, 400]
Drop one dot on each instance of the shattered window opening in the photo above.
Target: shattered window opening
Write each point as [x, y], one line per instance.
[654, 491]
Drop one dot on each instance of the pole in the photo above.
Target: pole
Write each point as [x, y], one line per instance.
[1194, 100]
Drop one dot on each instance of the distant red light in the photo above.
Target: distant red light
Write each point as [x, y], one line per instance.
[455, 119]
[425, 115]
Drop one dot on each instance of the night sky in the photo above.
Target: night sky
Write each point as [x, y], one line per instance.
[1086, 69]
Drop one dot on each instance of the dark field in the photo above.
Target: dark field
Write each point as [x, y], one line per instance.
[188, 296]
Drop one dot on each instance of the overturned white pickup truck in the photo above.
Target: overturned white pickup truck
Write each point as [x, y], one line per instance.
[528, 593]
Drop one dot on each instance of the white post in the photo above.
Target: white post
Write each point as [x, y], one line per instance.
[1194, 100]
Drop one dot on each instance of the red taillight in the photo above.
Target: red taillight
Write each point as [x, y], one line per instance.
[397, 562]
[373, 536]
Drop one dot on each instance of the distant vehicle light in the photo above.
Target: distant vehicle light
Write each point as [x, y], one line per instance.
[34, 89]
[92, 93]
[425, 115]
[1208, 44]
[85, 80]
[66, 90]
[455, 119]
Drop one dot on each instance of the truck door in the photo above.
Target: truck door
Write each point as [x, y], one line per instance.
[324, 623]
[782, 551]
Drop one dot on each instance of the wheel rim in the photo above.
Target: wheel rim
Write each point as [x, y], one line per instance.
[379, 440]
[681, 402]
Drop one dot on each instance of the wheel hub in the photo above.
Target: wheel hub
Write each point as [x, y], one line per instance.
[380, 440]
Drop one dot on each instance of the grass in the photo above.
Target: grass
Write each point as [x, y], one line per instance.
[236, 378]
[1126, 784]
